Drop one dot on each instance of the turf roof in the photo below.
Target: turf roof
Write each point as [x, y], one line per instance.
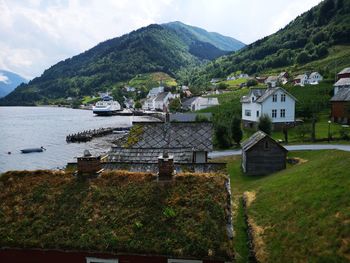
[119, 212]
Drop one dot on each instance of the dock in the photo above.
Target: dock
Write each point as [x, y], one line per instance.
[88, 135]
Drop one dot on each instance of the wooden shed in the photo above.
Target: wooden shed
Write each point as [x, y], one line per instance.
[262, 155]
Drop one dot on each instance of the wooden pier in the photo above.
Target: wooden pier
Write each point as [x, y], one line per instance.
[88, 135]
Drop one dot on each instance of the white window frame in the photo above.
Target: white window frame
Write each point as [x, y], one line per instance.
[283, 97]
[274, 98]
[274, 114]
[284, 113]
[248, 113]
[171, 260]
[101, 260]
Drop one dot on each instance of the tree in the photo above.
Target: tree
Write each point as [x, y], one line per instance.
[222, 136]
[236, 130]
[252, 82]
[138, 105]
[175, 105]
[265, 124]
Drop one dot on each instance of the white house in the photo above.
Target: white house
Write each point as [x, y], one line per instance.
[271, 81]
[160, 102]
[277, 103]
[301, 80]
[199, 103]
[129, 89]
[314, 78]
[155, 91]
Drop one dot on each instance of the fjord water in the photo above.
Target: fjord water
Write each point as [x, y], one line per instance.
[31, 127]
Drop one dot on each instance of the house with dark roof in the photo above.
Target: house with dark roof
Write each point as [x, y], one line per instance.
[118, 217]
[345, 73]
[262, 155]
[188, 142]
[341, 106]
[301, 80]
[159, 102]
[271, 81]
[276, 103]
[343, 83]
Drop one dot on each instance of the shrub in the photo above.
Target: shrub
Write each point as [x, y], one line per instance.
[344, 133]
[265, 124]
[302, 130]
[236, 130]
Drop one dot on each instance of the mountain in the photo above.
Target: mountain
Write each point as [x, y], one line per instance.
[9, 81]
[192, 33]
[318, 34]
[155, 48]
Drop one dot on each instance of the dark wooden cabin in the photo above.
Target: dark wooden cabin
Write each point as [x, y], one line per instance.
[262, 155]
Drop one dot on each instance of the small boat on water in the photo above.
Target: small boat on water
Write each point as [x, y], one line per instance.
[33, 150]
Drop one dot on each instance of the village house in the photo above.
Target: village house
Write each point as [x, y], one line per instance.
[117, 217]
[129, 89]
[199, 103]
[300, 80]
[341, 101]
[283, 77]
[345, 73]
[188, 142]
[342, 83]
[128, 102]
[214, 81]
[271, 81]
[231, 78]
[276, 103]
[260, 79]
[155, 91]
[243, 75]
[314, 78]
[262, 155]
[158, 103]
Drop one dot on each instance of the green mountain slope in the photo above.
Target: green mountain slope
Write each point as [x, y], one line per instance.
[308, 38]
[154, 48]
[191, 33]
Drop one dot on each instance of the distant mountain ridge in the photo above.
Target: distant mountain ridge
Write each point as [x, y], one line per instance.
[224, 43]
[155, 48]
[9, 81]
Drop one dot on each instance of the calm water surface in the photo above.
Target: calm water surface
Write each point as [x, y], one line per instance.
[27, 127]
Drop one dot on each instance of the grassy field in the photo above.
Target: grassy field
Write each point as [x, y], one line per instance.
[151, 80]
[303, 211]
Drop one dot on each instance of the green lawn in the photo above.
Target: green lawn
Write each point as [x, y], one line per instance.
[151, 80]
[304, 211]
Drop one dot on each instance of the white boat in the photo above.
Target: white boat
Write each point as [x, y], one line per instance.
[106, 106]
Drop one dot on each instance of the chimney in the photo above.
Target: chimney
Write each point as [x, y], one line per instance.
[165, 167]
[88, 166]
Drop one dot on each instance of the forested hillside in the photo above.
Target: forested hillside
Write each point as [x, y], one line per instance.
[154, 48]
[307, 38]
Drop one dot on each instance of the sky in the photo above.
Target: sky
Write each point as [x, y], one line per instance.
[36, 34]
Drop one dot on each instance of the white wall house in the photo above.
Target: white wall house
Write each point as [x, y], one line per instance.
[301, 80]
[277, 103]
[160, 102]
[155, 91]
[202, 103]
[314, 78]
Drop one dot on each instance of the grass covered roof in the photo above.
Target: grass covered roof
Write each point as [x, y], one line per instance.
[119, 212]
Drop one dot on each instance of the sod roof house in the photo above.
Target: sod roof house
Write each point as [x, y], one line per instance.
[119, 217]
[262, 155]
[188, 142]
[345, 73]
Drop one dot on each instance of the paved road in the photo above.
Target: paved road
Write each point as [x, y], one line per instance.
[216, 154]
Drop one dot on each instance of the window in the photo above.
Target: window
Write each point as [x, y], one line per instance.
[253, 99]
[283, 97]
[101, 260]
[257, 113]
[184, 261]
[274, 98]
[266, 145]
[248, 113]
[283, 113]
[274, 113]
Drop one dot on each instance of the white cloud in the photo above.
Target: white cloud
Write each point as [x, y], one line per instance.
[35, 34]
